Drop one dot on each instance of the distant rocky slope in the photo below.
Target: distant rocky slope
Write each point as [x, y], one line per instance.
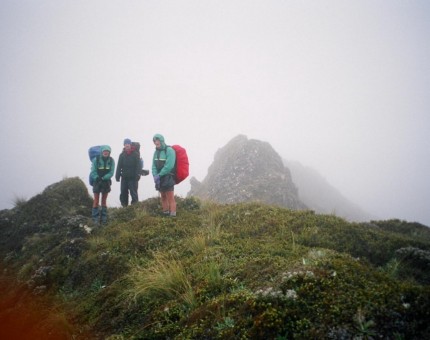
[320, 196]
[251, 170]
[248, 170]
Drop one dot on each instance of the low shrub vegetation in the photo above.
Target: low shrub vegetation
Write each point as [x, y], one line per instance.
[240, 271]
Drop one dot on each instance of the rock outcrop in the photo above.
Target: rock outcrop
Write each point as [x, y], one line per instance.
[247, 170]
[62, 209]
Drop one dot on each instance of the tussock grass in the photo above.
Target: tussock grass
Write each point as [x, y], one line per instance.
[212, 214]
[164, 278]
[197, 244]
[19, 201]
[214, 276]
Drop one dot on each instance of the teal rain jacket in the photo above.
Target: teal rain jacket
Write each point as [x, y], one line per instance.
[105, 168]
[166, 155]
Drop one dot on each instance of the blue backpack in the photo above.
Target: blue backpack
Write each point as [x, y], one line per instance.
[93, 152]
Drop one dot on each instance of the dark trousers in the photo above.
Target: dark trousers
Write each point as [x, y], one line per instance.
[128, 185]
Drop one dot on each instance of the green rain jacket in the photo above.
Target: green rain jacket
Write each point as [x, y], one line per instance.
[105, 168]
[165, 158]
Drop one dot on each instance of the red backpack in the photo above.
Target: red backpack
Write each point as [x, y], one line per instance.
[182, 166]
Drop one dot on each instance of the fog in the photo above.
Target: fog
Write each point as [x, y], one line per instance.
[340, 86]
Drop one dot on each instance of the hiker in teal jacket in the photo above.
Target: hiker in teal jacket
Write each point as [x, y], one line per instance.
[163, 164]
[102, 170]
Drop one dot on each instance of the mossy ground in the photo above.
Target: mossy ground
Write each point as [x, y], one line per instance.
[242, 271]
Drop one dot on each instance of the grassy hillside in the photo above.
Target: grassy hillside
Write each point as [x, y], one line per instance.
[243, 271]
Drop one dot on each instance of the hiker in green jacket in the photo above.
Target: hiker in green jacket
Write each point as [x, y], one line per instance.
[102, 170]
[163, 164]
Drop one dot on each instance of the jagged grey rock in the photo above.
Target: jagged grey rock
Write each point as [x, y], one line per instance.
[247, 170]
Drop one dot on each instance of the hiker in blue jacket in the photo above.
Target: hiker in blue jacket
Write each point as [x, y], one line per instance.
[102, 170]
[129, 170]
[163, 164]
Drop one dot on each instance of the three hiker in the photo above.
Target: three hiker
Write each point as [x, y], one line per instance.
[102, 170]
[129, 169]
[163, 164]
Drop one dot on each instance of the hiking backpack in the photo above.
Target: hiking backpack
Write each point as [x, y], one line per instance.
[182, 165]
[135, 146]
[93, 152]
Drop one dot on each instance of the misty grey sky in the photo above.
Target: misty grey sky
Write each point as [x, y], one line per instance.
[340, 86]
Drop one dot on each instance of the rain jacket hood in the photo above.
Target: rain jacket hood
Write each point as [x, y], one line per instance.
[161, 139]
[105, 148]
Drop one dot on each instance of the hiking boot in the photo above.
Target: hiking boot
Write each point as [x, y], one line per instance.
[104, 215]
[172, 214]
[95, 215]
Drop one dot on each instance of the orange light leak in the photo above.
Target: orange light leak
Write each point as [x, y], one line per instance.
[26, 316]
